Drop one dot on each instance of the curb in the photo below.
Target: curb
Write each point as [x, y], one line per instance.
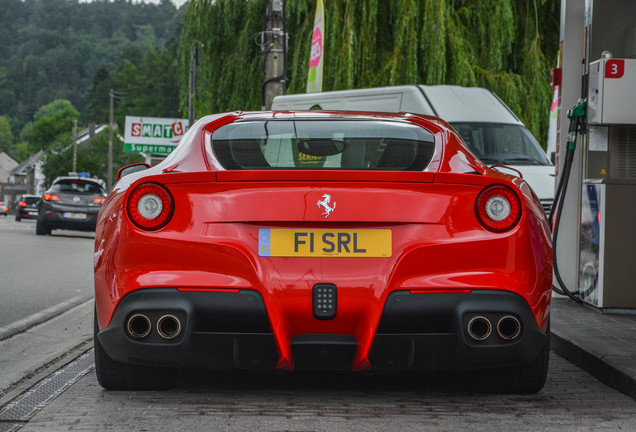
[592, 364]
[40, 317]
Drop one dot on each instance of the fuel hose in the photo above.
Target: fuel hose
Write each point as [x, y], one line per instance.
[577, 125]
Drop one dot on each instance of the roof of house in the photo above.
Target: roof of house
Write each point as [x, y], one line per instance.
[21, 169]
[7, 163]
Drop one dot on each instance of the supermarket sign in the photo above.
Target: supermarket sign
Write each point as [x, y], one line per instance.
[153, 134]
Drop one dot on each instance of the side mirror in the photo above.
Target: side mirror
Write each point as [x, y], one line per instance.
[129, 169]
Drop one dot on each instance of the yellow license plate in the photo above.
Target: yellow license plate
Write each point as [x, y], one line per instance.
[281, 242]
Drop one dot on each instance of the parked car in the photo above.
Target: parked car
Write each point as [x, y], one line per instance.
[321, 240]
[27, 207]
[4, 209]
[70, 203]
[487, 125]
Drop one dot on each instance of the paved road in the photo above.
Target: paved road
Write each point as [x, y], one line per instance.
[571, 401]
[41, 272]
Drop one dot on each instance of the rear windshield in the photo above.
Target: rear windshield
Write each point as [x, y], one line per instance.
[30, 200]
[323, 144]
[77, 186]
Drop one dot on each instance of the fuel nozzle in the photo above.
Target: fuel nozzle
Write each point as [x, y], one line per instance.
[576, 115]
[578, 110]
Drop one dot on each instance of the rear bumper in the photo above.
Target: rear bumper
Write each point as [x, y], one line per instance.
[219, 330]
[55, 219]
[27, 213]
[230, 330]
[430, 332]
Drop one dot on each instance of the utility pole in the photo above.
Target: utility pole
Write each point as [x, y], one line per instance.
[109, 172]
[30, 179]
[274, 46]
[75, 146]
[192, 86]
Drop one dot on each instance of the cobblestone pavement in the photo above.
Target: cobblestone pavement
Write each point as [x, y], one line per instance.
[571, 401]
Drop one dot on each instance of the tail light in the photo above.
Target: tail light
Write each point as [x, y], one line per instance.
[99, 200]
[49, 197]
[150, 206]
[498, 208]
[22, 204]
[5, 208]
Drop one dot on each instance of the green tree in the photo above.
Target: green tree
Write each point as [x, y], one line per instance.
[7, 96]
[98, 97]
[58, 160]
[148, 86]
[52, 122]
[507, 46]
[22, 151]
[145, 85]
[92, 158]
[6, 137]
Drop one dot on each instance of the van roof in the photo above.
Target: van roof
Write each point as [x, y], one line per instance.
[451, 103]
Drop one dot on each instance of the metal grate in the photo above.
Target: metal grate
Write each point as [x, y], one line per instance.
[625, 157]
[28, 404]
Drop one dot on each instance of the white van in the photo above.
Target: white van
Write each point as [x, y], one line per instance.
[488, 127]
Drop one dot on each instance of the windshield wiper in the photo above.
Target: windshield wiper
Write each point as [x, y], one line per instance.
[490, 161]
[526, 159]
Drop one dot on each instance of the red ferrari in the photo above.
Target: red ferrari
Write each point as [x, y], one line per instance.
[321, 241]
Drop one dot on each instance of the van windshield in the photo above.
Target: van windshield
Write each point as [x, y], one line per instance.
[495, 143]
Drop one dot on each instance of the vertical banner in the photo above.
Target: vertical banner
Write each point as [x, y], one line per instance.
[316, 57]
[552, 126]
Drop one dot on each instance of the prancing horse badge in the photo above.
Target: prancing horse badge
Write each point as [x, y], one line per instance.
[324, 203]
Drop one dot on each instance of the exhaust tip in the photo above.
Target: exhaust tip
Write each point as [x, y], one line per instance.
[479, 328]
[168, 326]
[139, 326]
[509, 327]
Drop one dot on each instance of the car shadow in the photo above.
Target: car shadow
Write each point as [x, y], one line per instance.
[205, 380]
[72, 234]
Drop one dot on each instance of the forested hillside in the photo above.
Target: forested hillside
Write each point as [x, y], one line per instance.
[53, 49]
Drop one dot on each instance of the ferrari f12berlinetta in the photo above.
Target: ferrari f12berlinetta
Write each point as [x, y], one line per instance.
[321, 241]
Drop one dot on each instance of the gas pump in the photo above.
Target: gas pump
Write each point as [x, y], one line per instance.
[598, 253]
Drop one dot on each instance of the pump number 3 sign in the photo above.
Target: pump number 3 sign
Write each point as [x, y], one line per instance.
[614, 68]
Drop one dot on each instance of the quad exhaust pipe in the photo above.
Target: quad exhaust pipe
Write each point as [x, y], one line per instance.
[139, 326]
[480, 328]
[169, 326]
[508, 327]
